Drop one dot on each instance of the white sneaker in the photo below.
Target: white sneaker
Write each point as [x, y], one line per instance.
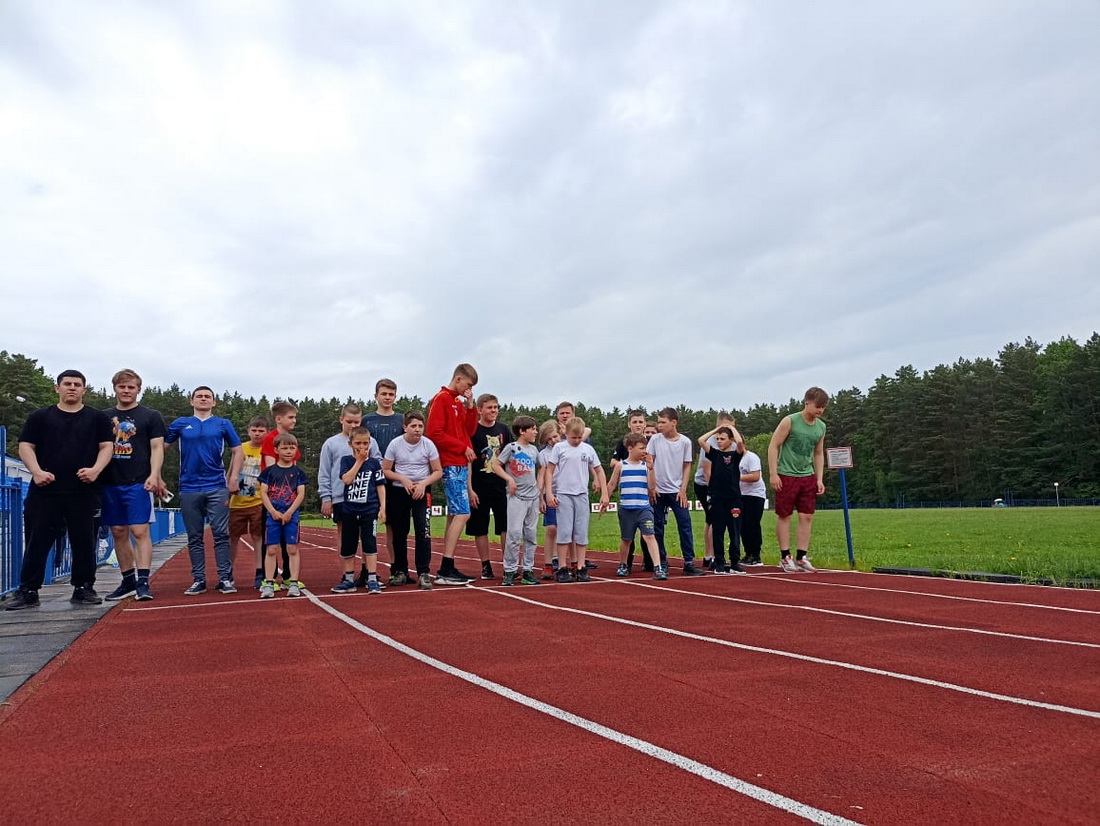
[787, 564]
[804, 565]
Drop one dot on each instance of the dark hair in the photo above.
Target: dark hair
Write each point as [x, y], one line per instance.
[390, 383]
[634, 439]
[258, 421]
[817, 396]
[285, 439]
[724, 429]
[670, 414]
[203, 387]
[523, 423]
[72, 374]
[413, 416]
[630, 414]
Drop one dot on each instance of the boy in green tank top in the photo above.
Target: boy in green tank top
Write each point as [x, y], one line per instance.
[796, 458]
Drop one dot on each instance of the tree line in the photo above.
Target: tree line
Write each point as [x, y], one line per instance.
[970, 431]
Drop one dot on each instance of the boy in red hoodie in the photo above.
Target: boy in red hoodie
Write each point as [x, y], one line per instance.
[452, 419]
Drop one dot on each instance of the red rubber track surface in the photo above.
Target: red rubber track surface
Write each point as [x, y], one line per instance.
[228, 707]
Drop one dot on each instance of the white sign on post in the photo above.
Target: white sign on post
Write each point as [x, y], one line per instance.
[838, 457]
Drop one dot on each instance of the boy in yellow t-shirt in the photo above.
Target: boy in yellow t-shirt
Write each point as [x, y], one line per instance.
[246, 508]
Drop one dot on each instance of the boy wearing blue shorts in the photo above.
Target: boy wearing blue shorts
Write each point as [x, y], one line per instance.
[283, 489]
[631, 475]
[566, 487]
[364, 501]
[452, 420]
[130, 481]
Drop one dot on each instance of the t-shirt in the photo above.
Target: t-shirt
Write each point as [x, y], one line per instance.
[64, 443]
[796, 454]
[669, 457]
[249, 480]
[750, 463]
[413, 461]
[384, 429]
[488, 442]
[335, 448]
[282, 485]
[633, 485]
[544, 460]
[134, 431]
[361, 496]
[521, 462]
[725, 475]
[202, 442]
[572, 467]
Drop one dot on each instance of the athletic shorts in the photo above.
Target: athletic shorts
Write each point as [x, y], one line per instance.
[799, 493]
[573, 517]
[454, 486]
[489, 501]
[337, 512]
[126, 505]
[277, 532]
[550, 518]
[635, 519]
[246, 522]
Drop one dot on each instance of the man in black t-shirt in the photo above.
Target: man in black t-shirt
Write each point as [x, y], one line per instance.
[488, 492]
[65, 447]
[130, 482]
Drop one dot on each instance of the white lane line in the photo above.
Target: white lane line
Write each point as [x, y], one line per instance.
[867, 617]
[679, 761]
[800, 580]
[989, 695]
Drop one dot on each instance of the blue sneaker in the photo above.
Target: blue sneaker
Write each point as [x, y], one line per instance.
[226, 586]
[346, 586]
[660, 573]
[623, 570]
[374, 586]
[197, 587]
[143, 593]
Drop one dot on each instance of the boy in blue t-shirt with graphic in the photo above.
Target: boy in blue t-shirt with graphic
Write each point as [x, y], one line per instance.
[282, 489]
[364, 501]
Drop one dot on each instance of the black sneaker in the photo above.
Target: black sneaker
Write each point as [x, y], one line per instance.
[691, 570]
[582, 575]
[563, 575]
[85, 595]
[709, 563]
[128, 586]
[487, 570]
[591, 565]
[21, 599]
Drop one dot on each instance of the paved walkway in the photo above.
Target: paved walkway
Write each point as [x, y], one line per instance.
[29, 639]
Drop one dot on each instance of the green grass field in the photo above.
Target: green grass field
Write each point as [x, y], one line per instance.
[1035, 543]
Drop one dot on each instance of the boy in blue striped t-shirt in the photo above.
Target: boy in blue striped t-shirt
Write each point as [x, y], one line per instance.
[635, 511]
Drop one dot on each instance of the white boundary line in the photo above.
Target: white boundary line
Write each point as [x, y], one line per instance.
[802, 581]
[989, 695]
[672, 758]
[867, 617]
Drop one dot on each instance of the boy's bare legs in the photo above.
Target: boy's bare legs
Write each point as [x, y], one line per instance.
[271, 561]
[624, 551]
[653, 551]
[802, 532]
[455, 525]
[295, 562]
[783, 532]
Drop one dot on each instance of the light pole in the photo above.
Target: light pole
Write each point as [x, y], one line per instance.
[1056, 500]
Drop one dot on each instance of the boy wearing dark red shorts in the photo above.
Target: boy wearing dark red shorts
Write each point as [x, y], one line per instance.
[796, 457]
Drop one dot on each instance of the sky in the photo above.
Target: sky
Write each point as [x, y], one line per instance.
[630, 202]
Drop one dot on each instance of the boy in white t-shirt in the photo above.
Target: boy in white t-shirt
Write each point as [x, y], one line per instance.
[669, 456]
[565, 485]
[411, 467]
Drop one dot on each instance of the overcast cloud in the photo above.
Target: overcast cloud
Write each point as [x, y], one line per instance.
[706, 203]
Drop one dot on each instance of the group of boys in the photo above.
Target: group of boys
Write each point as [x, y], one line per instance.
[380, 469]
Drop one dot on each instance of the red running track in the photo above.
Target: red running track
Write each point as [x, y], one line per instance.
[764, 698]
